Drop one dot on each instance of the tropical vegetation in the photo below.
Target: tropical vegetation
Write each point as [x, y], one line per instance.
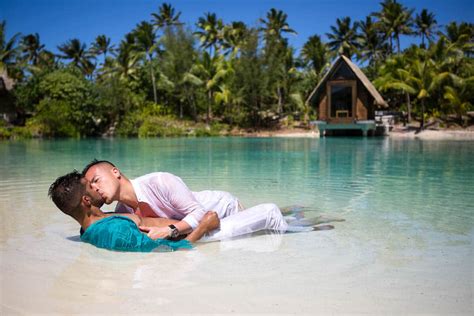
[166, 78]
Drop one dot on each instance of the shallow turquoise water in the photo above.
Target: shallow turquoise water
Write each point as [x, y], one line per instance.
[406, 246]
[425, 181]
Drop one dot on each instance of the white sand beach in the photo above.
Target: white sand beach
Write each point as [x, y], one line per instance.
[46, 270]
[397, 132]
[466, 134]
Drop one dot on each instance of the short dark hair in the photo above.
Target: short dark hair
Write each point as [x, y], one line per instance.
[93, 163]
[67, 191]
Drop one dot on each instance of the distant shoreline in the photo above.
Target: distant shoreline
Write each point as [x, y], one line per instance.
[428, 134]
[397, 132]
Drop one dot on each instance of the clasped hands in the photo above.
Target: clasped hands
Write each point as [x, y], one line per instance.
[210, 221]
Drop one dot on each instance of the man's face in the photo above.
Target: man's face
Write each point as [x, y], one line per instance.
[104, 179]
[96, 199]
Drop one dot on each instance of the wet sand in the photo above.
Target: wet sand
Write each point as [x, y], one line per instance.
[47, 270]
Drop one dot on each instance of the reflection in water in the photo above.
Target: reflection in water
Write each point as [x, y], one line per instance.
[263, 242]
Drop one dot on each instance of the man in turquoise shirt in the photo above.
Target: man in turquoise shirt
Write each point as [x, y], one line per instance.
[112, 231]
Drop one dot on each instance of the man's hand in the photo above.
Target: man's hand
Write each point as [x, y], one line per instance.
[210, 221]
[155, 232]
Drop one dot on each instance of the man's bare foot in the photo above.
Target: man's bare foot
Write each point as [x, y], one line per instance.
[323, 227]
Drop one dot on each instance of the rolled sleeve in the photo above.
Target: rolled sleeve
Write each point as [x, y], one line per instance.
[191, 221]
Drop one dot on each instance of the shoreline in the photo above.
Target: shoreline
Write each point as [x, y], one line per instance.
[434, 134]
[397, 132]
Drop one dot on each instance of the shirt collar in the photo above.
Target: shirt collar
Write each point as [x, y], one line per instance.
[137, 189]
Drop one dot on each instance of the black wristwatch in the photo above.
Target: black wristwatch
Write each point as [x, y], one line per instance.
[173, 232]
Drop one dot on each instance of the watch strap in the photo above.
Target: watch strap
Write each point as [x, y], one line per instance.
[174, 232]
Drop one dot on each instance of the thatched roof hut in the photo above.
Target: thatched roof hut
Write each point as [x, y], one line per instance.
[345, 98]
[358, 73]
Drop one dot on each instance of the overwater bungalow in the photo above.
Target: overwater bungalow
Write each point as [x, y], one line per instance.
[346, 100]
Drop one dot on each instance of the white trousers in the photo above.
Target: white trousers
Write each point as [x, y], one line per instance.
[260, 217]
[221, 202]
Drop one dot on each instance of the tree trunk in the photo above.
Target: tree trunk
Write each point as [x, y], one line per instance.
[192, 104]
[408, 106]
[208, 116]
[398, 44]
[153, 81]
[306, 115]
[280, 101]
[422, 114]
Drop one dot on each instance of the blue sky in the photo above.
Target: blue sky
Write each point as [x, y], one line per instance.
[57, 21]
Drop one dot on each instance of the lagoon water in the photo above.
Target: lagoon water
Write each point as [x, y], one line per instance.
[406, 245]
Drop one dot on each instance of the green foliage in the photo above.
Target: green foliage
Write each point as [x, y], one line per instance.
[344, 39]
[160, 126]
[8, 51]
[176, 63]
[158, 78]
[5, 132]
[315, 54]
[56, 118]
[67, 106]
[153, 121]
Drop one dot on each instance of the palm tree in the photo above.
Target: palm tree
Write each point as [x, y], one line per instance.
[126, 64]
[459, 95]
[421, 79]
[344, 39]
[210, 31]
[461, 36]
[395, 20]
[179, 55]
[32, 48]
[212, 71]
[315, 53]
[275, 24]
[190, 82]
[234, 35]
[8, 50]
[166, 16]
[146, 41]
[372, 45]
[425, 23]
[102, 45]
[459, 33]
[78, 53]
[276, 53]
[389, 75]
[46, 60]
[289, 77]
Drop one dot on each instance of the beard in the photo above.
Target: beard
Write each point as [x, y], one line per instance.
[97, 201]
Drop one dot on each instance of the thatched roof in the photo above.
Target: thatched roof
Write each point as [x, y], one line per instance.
[357, 72]
[6, 83]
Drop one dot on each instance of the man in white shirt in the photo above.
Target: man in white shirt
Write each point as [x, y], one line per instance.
[165, 195]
